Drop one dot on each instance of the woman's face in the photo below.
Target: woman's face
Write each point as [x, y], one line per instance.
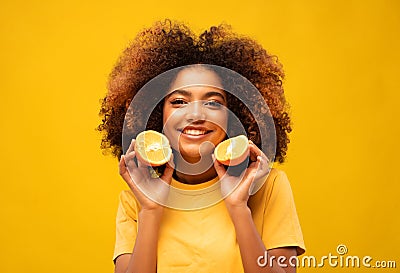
[195, 114]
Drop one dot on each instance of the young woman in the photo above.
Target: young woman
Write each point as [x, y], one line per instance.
[242, 231]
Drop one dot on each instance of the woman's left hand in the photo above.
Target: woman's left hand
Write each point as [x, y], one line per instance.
[242, 185]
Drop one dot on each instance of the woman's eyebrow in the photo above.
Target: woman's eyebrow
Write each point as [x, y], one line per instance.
[180, 92]
[189, 94]
[213, 93]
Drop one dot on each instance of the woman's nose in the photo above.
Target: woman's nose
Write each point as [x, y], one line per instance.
[195, 111]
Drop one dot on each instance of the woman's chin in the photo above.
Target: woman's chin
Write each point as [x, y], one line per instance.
[193, 156]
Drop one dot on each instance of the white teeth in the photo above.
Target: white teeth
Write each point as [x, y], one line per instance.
[194, 132]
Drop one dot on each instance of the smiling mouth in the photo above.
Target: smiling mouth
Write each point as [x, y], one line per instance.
[195, 132]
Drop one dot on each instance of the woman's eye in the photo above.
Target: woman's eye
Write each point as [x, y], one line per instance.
[213, 103]
[178, 102]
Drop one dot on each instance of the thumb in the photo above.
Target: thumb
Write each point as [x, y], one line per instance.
[219, 168]
[169, 171]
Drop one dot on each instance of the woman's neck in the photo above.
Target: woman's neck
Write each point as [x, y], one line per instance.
[194, 173]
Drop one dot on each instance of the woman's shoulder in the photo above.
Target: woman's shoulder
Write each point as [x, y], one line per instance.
[276, 174]
[276, 180]
[128, 200]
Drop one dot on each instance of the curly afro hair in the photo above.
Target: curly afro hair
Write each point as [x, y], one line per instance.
[167, 45]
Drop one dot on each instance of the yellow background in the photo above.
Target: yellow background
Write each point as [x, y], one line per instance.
[59, 193]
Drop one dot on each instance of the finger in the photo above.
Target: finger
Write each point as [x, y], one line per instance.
[130, 153]
[263, 168]
[219, 168]
[123, 171]
[131, 146]
[171, 162]
[169, 171]
[127, 177]
[129, 162]
[131, 167]
[264, 163]
[122, 165]
[255, 151]
[251, 173]
[253, 167]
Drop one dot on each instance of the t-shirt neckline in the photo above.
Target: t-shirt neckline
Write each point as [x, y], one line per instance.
[183, 186]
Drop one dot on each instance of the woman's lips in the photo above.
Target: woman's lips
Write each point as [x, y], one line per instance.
[194, 132]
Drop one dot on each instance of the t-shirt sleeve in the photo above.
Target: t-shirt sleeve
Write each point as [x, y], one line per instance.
[281, 227]
[126, 224]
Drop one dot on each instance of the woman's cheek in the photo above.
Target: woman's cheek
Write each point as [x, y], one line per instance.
[220, 118]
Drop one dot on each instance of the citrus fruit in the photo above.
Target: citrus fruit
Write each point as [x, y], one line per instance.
[152, 148]
[232, 151]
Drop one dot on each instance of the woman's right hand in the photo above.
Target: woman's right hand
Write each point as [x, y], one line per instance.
[142, 184]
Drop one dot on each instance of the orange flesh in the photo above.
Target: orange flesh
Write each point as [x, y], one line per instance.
[153, 147]
[231, 149]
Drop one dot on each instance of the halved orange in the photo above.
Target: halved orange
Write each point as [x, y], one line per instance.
[232, 151]
[152, 148]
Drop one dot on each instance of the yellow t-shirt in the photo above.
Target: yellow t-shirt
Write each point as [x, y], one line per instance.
[204, 240]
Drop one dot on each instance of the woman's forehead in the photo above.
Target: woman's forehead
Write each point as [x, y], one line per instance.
[196, 76]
